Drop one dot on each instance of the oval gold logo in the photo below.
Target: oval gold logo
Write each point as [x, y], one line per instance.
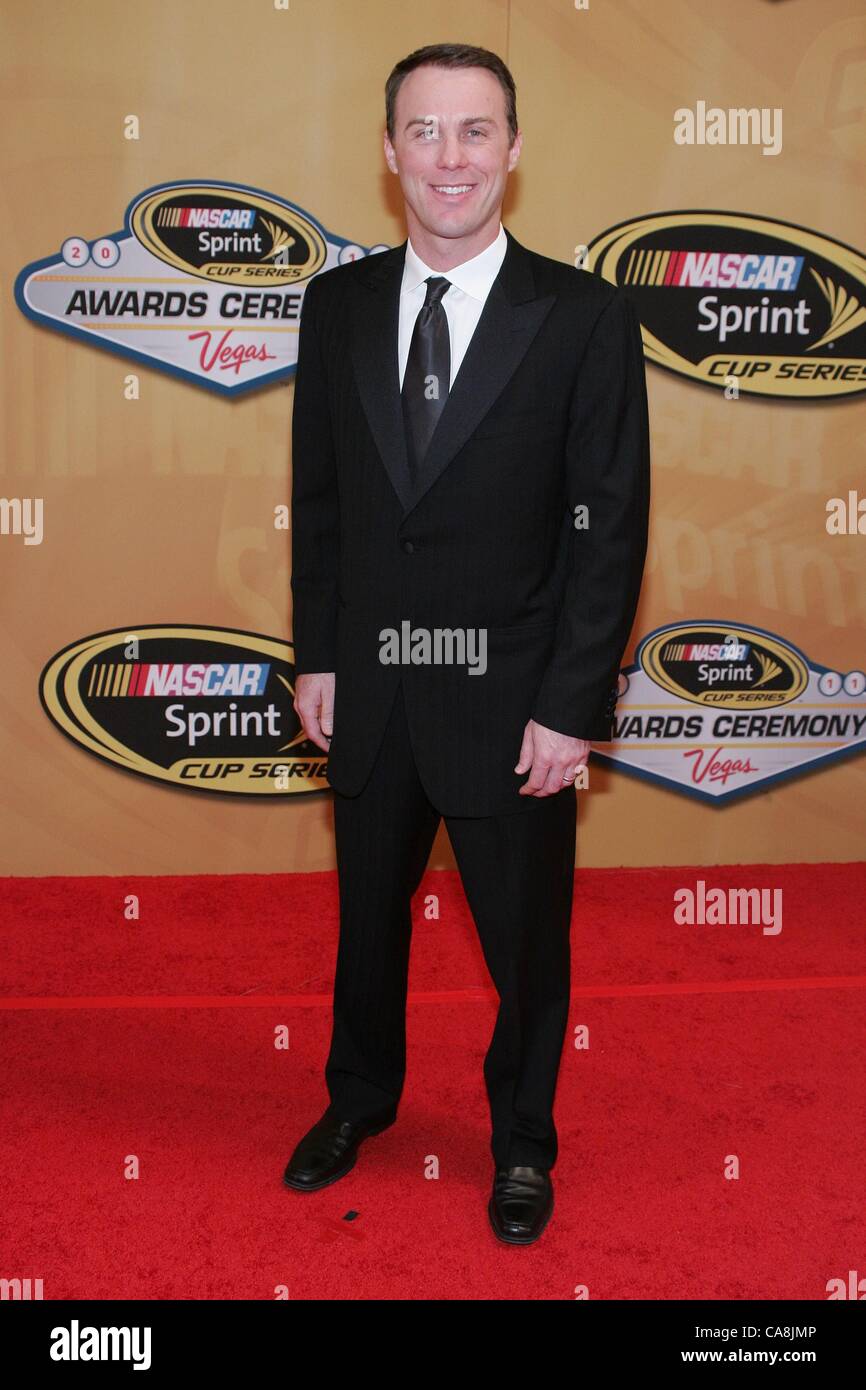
[727, 667]
[732, 299]
[230, 234]
[205, 708]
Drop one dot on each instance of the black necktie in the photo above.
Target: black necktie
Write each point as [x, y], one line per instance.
[428, 373]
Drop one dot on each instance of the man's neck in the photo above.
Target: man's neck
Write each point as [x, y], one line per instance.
[444, 253]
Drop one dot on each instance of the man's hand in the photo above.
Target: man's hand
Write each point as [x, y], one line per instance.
[555, 760]
[314, 706]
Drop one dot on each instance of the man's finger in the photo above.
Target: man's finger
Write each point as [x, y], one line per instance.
[326, 719]
[536, 779]
[524, 762]
[555, 781]
[309, 717]
[314, 733]
[552, 782]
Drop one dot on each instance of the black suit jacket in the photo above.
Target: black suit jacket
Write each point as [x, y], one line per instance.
[548, 412]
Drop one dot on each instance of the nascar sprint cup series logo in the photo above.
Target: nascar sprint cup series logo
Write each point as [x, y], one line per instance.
[777, 308]
[718, 710]
[206, 281]
[197, 707]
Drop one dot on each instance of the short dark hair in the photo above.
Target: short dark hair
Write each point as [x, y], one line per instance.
[452, 55]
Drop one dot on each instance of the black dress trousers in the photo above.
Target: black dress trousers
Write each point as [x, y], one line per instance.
[517, 871]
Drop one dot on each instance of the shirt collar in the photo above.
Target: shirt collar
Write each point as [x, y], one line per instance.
[474, 277]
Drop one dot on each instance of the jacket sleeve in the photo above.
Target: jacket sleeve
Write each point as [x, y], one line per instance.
[315, 504]
[608, 471]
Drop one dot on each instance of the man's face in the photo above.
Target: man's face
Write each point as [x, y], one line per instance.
[451, 133]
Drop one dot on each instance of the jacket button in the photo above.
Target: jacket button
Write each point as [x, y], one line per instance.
[408, 547]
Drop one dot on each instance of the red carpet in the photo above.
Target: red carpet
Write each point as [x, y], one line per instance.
[155, 1038]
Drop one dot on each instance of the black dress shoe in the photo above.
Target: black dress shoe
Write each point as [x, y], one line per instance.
[521, 1204]
[329, 1151]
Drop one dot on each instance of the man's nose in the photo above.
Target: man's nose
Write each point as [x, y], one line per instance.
[451, 153]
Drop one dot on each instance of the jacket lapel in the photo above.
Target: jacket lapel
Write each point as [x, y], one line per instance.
[375, 321]
[511, 317]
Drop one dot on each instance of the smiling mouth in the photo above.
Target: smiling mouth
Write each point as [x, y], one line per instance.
[452, 190]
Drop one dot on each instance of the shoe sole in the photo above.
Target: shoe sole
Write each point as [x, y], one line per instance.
[517, 1240]
[335, 1177]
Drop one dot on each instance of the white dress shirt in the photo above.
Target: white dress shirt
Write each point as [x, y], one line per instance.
[463, 301]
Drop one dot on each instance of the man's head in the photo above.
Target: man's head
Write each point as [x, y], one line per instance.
[451, 124]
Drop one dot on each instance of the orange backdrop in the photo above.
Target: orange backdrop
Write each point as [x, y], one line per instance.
[161, 509]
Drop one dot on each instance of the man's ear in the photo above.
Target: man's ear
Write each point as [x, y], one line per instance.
[514, 152]
[390, 157]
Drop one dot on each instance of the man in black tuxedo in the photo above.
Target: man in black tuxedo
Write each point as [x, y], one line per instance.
[469, 511]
